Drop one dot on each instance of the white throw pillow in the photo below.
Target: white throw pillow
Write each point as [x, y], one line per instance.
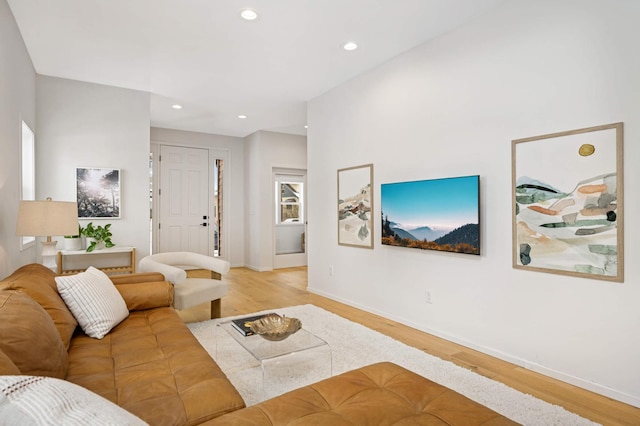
[36, 400]
[93, 300]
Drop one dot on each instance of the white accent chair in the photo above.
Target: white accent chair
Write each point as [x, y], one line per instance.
[189, 291]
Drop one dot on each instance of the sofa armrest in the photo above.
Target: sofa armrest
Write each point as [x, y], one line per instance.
[137, 278]
[146, 295]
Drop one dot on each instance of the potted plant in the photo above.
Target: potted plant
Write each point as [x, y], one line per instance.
[73, 242]
[98, 237]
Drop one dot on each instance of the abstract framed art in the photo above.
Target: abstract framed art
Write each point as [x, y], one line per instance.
[98, 193]
[355, 206]
[567, 191]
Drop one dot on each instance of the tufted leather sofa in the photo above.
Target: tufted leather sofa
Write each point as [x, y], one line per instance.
[377, 395]
[151, 365]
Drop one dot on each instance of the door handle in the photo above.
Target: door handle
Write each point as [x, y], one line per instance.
[204, 224]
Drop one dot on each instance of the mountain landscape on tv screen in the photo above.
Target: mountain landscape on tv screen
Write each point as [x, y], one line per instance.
[433, 214]
[463, 239]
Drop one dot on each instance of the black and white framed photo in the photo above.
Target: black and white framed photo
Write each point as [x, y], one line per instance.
[98, 193]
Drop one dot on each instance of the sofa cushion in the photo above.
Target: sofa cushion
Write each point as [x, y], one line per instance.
[153, 366]
[38, 282]
[7, 367]
[380, 394]
[94, 301]
[33, 400]
[29, 337]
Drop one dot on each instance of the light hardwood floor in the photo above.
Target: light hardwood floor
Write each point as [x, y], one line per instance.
[251, 291]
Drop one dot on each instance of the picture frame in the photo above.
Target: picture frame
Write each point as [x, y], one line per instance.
[355, 206]
[567, 195]
[98, 193]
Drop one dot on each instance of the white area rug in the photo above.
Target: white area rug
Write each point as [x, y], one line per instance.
[354, 346]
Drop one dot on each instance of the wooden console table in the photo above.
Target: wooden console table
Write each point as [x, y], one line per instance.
[109, 260]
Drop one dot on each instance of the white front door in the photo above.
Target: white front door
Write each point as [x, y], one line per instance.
[184, 200]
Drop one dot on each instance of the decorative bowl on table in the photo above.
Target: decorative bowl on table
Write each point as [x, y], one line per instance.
[275, 327]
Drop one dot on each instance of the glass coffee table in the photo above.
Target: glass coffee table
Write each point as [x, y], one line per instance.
[300, 359]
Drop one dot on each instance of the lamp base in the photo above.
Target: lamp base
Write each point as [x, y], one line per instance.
[50, 255]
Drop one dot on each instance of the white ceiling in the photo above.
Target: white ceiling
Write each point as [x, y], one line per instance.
[202, 55]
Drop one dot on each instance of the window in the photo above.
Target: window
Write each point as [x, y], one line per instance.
[28, 174]
[289, 196]
[216, 218]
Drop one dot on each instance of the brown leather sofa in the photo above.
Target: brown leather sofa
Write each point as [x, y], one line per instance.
[151, 365]
[375, 395]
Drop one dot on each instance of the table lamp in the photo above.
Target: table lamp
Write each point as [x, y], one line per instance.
[44, 219]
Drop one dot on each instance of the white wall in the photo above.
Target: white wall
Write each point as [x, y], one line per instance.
[451, 108]
[252, 220]
[17, 103]
[90, 125]
[234, 169]
[264, 152]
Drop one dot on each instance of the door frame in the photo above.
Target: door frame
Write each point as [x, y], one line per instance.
[214, 153]
[293, 259]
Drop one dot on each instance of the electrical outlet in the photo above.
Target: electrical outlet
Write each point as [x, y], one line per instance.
[330, 270]
[427, 297]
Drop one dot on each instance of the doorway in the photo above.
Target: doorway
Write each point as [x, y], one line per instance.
[189, 202]
[289, 218]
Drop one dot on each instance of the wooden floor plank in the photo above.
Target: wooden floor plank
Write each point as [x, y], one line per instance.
[251, 291]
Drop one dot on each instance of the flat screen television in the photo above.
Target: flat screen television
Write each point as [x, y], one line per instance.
[437, 214]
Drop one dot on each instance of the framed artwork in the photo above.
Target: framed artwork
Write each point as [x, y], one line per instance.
[98, 193]
[568, 203]
[436, 214]
[355, 206]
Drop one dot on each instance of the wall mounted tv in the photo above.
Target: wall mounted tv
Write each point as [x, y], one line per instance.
[436, 214]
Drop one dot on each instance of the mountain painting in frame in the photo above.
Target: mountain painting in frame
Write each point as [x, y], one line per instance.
[355, 206]
[568, 203]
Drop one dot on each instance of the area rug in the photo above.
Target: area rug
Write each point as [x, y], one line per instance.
[354, 346]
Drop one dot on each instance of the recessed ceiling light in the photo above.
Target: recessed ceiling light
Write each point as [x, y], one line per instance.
[306, 127]
[242, 116]
[350, 46]
[249, 14]
[176, 106]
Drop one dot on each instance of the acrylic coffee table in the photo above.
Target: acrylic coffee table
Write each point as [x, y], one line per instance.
[300, 359]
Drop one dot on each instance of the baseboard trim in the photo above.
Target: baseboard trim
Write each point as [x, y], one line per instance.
[522, 362]
[257, 269]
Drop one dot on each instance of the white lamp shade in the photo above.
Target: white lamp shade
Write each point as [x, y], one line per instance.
[47, 218]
